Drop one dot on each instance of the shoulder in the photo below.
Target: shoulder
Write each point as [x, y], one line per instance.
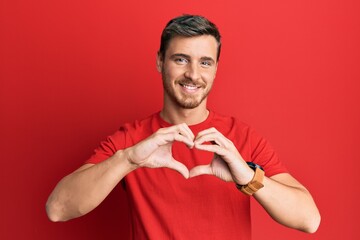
[140, 129]
[139, 124]
[239, 132]
[228, 124]
[252, 146]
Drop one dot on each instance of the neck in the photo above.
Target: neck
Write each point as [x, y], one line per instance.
[177, 115]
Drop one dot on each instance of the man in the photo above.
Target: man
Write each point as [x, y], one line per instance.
[192, 140]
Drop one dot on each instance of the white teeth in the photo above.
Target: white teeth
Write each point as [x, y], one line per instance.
[189, 87]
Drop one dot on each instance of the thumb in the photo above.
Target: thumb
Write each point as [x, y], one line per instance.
[179, 167]
[200, 170]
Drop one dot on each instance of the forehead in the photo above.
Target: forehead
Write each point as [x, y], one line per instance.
[196, 47]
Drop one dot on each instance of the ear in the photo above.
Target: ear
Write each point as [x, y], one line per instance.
[216, 66]
[159, 62]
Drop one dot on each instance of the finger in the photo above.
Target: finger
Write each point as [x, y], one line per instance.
[206, 131]
[180, 138]
[184, 130]
[200, 170]
[214, 137]
[179, 167]
[163, 139]
[211, 148]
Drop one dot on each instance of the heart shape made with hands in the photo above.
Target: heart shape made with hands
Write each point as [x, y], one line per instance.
[217, 165]
[156, 152]
[226, 164]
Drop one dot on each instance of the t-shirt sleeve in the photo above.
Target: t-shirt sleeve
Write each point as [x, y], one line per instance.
[108, 147]
[264, 155]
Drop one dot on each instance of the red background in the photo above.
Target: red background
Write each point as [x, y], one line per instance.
[72, 71]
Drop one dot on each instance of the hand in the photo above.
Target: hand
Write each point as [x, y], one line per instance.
[155, 151]
[227, 163]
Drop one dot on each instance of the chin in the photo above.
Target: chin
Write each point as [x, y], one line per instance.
[189, 104]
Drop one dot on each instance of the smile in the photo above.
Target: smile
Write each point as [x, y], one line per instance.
[189, 87]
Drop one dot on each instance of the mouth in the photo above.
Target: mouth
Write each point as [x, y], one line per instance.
[189, 86]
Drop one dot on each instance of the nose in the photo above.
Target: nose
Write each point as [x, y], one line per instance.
[192, 72]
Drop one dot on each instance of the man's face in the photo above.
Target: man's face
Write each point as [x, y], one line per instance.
[188, 70]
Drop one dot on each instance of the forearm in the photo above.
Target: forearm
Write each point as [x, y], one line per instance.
[290, 205]
[83, 190]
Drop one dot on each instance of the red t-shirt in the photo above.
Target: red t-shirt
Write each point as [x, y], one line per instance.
[164, 205]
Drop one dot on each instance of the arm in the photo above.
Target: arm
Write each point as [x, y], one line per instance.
[289, 203]
[83, 190]
[284, 198]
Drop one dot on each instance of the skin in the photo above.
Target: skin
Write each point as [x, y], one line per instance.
[188, 71]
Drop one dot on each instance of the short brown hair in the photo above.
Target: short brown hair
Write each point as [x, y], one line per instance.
[188, 26]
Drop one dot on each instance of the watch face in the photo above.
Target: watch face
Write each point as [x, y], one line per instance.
[253, 166]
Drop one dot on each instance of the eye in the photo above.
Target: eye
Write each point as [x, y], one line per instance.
[181, 60]
[206, 63]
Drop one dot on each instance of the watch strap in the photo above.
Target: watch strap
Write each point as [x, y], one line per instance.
[255, 184]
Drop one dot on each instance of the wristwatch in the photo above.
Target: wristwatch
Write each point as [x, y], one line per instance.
[256, 182]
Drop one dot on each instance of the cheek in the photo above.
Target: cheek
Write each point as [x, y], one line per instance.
[173, 74]
[209, 77]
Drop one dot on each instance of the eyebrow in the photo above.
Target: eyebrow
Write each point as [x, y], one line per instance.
[208, 59]
[175, 55]
[205, 58]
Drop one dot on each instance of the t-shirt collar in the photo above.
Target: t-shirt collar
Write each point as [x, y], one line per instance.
[199, 126]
